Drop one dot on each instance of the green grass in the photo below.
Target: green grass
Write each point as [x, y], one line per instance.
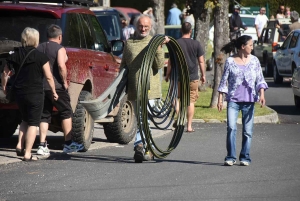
[203, 111]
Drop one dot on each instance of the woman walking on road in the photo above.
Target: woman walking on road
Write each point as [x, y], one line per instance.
[28, 87]
[244, 84]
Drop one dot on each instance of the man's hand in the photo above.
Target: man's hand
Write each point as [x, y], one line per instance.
[203, 79]
[55, 96]
[167, 39]
[66, 86]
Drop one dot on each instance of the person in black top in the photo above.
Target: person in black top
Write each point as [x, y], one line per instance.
[194, 56]
[29, 88]
[58, 57]
[235, 23]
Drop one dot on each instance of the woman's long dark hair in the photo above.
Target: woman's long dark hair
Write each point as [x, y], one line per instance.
[229, 47]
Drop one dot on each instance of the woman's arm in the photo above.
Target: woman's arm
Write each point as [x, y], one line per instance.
[4, 78]
[220, 102]
[49, 78]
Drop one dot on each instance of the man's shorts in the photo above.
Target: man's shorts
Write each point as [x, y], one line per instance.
[194, 95]
[62, 104]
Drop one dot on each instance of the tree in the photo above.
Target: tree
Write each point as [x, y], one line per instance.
[159, 8]
[221, 32]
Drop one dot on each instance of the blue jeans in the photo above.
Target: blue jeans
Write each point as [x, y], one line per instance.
[138, 138]
[233, 109]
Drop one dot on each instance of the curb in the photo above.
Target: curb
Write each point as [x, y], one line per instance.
[270, 118]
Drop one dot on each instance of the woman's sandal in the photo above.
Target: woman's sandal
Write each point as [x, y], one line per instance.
[20, 152]
[30, 159]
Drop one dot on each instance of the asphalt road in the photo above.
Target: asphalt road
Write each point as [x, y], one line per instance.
[280, 98]
[194, 171]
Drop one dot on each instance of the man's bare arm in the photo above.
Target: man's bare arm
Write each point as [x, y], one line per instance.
[61, 61]
[202, 68]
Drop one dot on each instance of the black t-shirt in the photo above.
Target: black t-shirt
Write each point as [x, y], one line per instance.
[51, 49]
[30, 78]
[192, 50]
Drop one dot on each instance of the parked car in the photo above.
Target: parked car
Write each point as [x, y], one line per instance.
[174, 32]
[248, 21]
[264, 48]
[128, 13]
[110, 21]
[296, 86]
[287, 57]
[91, 66]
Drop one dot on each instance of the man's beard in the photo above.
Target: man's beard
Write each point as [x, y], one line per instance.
[143, 35]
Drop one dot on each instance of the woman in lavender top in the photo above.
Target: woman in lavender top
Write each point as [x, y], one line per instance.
[244, 84]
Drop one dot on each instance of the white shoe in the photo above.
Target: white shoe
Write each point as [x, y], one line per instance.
[244, 163]
[229, 163]
[44, 151]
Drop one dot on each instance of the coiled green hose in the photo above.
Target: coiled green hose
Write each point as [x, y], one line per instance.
[166, 107]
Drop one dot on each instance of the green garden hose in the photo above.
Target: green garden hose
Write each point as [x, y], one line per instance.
[165, 110]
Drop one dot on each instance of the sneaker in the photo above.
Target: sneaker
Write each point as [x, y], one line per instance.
[244, 163]
[73, 147]
[148, 156]
[229, 163]
[44, 151]
[138, 153]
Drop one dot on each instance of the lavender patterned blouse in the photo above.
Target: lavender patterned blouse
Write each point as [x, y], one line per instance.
[242, 83]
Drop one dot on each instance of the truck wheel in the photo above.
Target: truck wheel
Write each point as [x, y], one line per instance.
[268, 67]
[297, 101]
[277, 78]
[123, 129]
[83, 124]
[8, 45]
[9, 121]
[210, 63]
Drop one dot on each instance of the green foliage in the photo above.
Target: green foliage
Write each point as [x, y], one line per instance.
[273, 4]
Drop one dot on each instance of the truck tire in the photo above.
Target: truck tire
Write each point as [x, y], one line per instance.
[123, 129]
[8, 45]
[268, 67]
[277, 78]
[83, 123]
[210, 63]
[9, 121]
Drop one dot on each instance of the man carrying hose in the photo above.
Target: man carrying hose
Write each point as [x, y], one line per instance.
[134, 51]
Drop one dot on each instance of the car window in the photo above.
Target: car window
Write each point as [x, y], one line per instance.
[111, 26]
[286, 42]
[89, 39]
[12, 23]
[294, 40]
[73, 35]
[267, 37]
[248, 21]
[100, 38]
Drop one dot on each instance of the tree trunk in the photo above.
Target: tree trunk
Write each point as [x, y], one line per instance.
[158, 8]
[202, 19]
[221, 33]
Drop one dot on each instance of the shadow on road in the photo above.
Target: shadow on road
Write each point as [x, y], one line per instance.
[286, 109]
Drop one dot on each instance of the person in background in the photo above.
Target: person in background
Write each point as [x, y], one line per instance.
[29, 88]
[260, 21]
[235, 23]
[58, 57]
[193, 53]
[133, 54]
[295, 21]
[280, 12]
[174, 15]
[127, 31]
[243, 83]
[187, 17]
[287, 12]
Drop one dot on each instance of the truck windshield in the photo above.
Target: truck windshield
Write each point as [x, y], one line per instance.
[12, 23]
